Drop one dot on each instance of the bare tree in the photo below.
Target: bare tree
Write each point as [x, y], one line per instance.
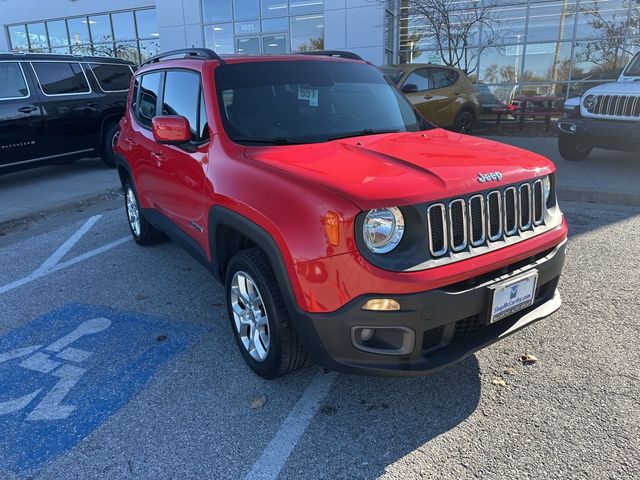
[607, 48]
[454, 26]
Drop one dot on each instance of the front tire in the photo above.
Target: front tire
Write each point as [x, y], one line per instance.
[109, 138]
[464, 123]
[258, 316]
[142, 231]
[571, 149]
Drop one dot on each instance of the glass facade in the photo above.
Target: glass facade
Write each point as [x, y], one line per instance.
[132, 35]
[263, 26]
[531, 47]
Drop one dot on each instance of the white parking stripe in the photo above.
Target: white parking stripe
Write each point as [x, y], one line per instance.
[50, 262]
[39, 274]
[275, 455]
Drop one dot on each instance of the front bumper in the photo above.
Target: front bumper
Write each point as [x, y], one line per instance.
[443, 325]
[609, 134]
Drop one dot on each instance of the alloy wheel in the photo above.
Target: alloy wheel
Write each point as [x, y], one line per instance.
[133, 213]
[250, 316]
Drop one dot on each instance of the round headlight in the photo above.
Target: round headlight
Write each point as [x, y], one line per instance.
[546, 188]
[589, 102]
[383, 229]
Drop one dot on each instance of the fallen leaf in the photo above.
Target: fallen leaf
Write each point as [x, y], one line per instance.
[510, 371]
[258, 401]
[500, 382]
[527, 359]
[161, 338]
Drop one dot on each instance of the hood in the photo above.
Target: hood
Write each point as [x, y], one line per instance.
[615, 88]
[404, 168]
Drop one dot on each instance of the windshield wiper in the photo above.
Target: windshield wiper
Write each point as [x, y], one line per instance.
[362, 133]
[267, 141]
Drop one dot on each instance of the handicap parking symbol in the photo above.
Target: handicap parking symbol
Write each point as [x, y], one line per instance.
[64, 374]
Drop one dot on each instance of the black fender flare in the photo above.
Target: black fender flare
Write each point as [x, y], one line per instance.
[222, 216]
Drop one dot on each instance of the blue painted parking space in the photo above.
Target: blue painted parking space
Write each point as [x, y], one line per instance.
[63, 374]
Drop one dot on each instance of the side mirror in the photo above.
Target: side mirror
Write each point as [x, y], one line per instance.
[171, 129]
[410, 88]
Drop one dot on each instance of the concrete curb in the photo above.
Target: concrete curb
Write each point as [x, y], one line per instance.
[60, 208]
[597, 196]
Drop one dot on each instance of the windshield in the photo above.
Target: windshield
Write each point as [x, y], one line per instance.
[633, 70]
[393, 74]
[291, 102]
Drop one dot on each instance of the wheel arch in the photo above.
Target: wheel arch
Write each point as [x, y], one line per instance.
[230, 232]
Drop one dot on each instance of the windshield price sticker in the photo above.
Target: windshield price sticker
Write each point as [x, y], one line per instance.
[308, 94]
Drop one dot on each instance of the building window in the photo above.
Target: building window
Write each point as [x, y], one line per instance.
[131, 35]
[264, 26]
[551, 47]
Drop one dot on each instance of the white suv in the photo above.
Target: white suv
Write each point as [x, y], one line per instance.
[606, 116]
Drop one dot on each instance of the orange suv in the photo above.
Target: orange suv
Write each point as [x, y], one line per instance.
[443, 95]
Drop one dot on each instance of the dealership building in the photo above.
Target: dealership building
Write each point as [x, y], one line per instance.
[535, 46]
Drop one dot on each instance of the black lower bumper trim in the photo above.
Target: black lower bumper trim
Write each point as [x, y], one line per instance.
[449, 323]
[608, 134]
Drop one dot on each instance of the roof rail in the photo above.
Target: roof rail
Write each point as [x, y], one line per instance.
[333, 53]
[203, 53]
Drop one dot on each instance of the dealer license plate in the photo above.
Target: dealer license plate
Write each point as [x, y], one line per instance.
[513, 295]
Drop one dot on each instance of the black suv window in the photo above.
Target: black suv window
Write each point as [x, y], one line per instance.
[112, 78]
[182, 97]
[443, 78]
[61, 78]
[149, 91]
[420, 78]
[12, 84]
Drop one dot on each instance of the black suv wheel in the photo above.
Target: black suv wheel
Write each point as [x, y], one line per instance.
[109, 138]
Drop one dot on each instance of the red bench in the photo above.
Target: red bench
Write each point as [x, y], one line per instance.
[525, 110]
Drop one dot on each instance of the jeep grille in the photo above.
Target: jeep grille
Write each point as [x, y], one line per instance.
[624, 106]
[484, 219]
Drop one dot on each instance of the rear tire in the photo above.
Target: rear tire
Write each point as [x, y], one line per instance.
[109, 138]
[259, 318]
[142, 231]
[464, 122]
[571, 149]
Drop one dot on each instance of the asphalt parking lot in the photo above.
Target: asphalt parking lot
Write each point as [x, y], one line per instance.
[153, 386]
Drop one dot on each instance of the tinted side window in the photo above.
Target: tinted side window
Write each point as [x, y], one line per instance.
[203, 123]
[420, 78]
[134, 94]
[443, 78]
[12, 84]
[150, 88]
[60, 78]
[181, 97]
[112, 78]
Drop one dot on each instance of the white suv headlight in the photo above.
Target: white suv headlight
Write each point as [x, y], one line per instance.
[383, 229]
[589, 102]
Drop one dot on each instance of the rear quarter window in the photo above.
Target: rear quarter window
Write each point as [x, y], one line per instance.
[112, 78]
[12, 83]
[61, 78]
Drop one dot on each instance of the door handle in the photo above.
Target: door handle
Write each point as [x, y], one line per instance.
[129, 141]
[27, 109]
[457, 92]
[157, 154]
[428, 97]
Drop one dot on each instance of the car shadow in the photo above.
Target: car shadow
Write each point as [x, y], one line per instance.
[51, 172]
[368, 423]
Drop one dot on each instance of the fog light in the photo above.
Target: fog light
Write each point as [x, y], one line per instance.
[367, 334]
[381, 304]
[573, 128]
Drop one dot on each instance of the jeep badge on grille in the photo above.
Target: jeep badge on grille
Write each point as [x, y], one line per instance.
[488, 177]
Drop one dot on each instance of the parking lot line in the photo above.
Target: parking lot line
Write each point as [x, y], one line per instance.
[51, 264]
[276, 453]
[56, 256]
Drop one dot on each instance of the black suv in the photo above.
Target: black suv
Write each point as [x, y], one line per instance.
[59, 108]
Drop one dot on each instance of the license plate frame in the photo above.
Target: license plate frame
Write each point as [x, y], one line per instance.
[502, 294]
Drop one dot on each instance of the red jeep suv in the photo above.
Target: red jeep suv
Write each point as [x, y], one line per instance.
[346, 229]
